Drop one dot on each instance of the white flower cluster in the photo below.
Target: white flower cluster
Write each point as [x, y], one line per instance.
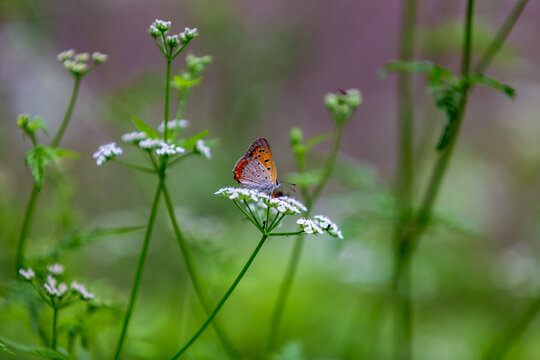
[162, 147]
[28, 274]
[55, 268]
[173, 40]
[319, 225]
[294, 202]
[160, 26]
[52, 289]
[78, 63]
[172, 124]
[81, 289]
[204, 149]
[133, 137]
[283, 206]
[188, 34]
[106, 152]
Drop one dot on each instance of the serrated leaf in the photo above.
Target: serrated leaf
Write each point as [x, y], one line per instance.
[36, 159]
[493, 83]
[308, 178]
[405, 66]
[189, 144]
[144, 127]
[35, 350]
[309, 144]
[37, 123]
[179, 82]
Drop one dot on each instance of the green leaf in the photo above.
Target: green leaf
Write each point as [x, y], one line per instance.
[189, 144]
[61, 153]
[35, 350]
[78, 238]
[309, 144]
[4, 348]
[405, 66]
[36, 159]
[491, 82]
[179, 82]
[144, 127]
[312, 177]
[37, 123]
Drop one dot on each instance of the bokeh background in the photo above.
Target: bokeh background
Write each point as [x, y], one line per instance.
[478, 266]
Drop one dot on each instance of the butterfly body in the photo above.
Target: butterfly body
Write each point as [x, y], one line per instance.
[256, 169]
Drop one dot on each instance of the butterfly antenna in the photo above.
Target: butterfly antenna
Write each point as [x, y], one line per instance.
[290, 186]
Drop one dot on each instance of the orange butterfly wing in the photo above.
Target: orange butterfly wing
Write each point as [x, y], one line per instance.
[260, 150]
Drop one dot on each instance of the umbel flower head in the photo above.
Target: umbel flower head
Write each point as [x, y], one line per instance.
[107, 152]
[267, 212]
[168, 44]
[78, 64]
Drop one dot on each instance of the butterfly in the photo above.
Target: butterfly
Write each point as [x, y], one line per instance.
[256, 169]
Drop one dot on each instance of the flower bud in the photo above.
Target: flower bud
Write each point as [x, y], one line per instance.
[343, 104]
[99, 58]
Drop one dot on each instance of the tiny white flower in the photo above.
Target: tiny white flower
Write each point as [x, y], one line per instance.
[52, 290]
[106, 152]
[169, 149]
[133, 137]
[172, 40]
[99, 57]
[65, 55]
[328, 225]
[161, 25]
[204, 149]
[172, 124]
[151, 143]
[154, 31]
[188, 34]
[28, 274]
[55, 268]
[81, 58]
[293, 202]
[309, 226]
[81, 289]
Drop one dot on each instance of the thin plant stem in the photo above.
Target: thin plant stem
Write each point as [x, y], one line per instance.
[69, 111]
[224, 298]
[140, 267]
[194, 275]
[253, 221]
[501, 36]
[292, 267]
[287, 233]
[134, 166]
[25, 228]
[513, 332]
[406, 241]
[167, 94]
[29, 212]
[55, 318]
[405, 173]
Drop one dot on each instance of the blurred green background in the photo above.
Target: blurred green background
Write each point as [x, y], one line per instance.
[477, 267]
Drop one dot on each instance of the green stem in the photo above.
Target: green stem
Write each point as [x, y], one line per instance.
[501, 36]
[515, 329]
[134, 166]
[287, 233]
[330, 163]
[25, 228]
[405, 174]
[55, 318]
[177, 160]
[194, 275]
[29, 212]
[69, 111]
[406, 240]
[253, 221]
[223, 299]
[140, 266]
[286, 284]
[167, 93]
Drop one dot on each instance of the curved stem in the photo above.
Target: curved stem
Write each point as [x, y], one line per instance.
[287, 233]
[223, 299]
[25, 228]
[134, 166]
[69, 111]
[140, 266]
[194, 274]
